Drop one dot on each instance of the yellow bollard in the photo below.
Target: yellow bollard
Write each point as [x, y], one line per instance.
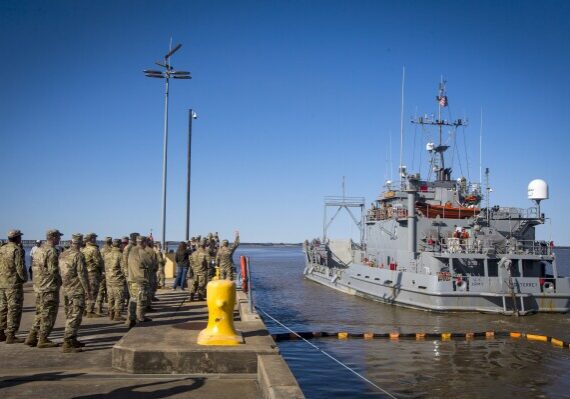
[221, 301]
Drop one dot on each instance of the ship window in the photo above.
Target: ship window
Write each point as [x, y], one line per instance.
[532, 268]
[469, 267]
[493, 265]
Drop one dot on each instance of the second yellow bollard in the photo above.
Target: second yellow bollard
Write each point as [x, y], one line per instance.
[221, 301]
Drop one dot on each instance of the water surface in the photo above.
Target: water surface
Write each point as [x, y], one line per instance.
[499, 368]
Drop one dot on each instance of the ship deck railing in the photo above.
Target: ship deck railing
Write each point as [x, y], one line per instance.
[474, 246]
[503, 213]
[386, 213]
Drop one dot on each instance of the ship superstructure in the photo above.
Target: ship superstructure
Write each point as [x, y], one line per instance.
[432, 244]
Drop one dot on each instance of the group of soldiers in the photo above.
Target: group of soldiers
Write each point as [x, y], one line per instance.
[206, 255]
[123, 273]
[130, 269]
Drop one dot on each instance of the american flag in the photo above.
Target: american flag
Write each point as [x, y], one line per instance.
[442, 101]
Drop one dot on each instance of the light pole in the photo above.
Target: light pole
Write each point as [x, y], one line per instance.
[167, 73]
[191, 115]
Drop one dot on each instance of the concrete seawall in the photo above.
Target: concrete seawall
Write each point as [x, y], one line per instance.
[172, 349]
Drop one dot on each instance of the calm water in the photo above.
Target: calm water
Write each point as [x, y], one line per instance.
[500, 368]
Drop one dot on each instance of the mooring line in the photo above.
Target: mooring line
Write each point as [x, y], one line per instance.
[329, 356]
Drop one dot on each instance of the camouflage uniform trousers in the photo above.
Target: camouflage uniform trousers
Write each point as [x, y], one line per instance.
[152, 285]
[137, 301]
[74, 307]
[116, 298]
[197, 284]
[161, 277]
[126, 294]
[227, 272]
[94, 282]
[47, 304]
[102, 295]
[11, 301]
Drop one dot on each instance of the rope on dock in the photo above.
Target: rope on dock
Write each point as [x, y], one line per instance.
[444, 336]
[298, 336]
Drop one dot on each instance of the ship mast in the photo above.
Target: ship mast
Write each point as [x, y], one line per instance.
[443, 173]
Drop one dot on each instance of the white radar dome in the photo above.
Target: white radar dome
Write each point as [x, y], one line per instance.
[537, 190]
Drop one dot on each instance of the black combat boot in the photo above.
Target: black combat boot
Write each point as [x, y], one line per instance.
[145, 319]
[131, 323]
[12, 339]
[2, 336]
[191, 297]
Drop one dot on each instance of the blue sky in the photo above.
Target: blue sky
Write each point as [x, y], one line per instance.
[291, 96]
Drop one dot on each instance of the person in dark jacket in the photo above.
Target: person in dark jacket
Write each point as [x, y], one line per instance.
[182, 264]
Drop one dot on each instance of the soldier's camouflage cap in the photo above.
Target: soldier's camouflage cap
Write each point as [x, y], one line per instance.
[89, 236]
[108, 239]
[15, 233]
[134, 236]
[141, 238]
[225, 242]
[116, 242]
[53, 233]
[76, 238]
[125, 238]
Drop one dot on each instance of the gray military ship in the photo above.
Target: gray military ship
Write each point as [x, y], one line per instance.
[436, 244]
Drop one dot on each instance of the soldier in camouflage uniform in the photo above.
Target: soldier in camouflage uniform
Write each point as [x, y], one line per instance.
[13, 275]
[212, 249]
[75, 291]
[153, 269]
[103, 295]
[126, 251]
[47, 282]
[115, 280]
[95, 268]
[199, 261]
[224, 260]
[137, 278]
[161, 263]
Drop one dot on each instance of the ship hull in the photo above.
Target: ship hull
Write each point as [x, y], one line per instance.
[425, 292]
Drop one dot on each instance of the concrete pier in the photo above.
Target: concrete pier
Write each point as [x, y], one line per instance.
[158, 359]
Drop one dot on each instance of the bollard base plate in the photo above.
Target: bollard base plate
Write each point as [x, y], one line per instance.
[207, 337]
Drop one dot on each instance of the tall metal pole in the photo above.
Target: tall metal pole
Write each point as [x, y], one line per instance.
[190, 117]
[164, 166]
